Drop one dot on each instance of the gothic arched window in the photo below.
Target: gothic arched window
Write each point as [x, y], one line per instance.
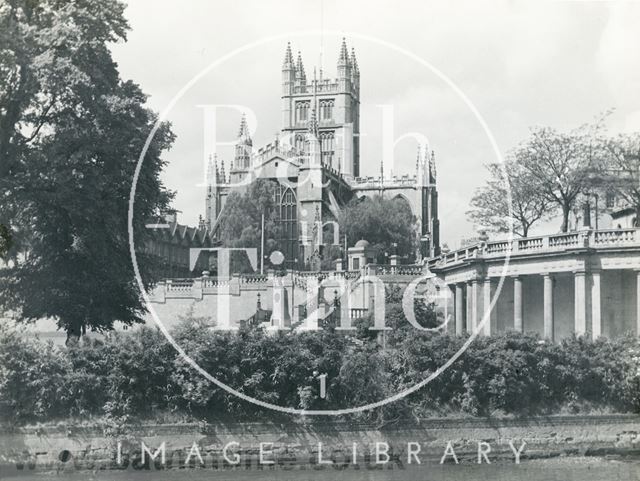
[326, 109]
[287, 208]
[327, 146]
[302, 111]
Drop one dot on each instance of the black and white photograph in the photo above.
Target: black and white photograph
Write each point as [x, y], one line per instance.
[319, 239]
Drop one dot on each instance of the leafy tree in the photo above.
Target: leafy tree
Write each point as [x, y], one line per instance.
[71, 131]
[560, 163]
[241, 219]
[623, 161]
[490, 203]
[387, 224]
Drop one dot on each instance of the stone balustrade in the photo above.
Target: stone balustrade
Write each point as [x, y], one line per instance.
[541, 244]
[410, 270]
[197, 287]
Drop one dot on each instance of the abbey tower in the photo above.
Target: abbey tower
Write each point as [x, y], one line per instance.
[336, 104]
[316, 162]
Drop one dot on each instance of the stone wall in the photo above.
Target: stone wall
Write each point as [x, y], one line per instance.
[70, 447]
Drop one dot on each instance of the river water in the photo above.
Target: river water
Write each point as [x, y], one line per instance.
[555, 469]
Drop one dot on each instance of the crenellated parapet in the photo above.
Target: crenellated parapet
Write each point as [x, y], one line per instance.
[378, 182]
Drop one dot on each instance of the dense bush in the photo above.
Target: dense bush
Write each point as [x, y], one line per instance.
[32, 378]
[138, 374]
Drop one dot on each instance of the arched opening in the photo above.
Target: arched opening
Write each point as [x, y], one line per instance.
[287, 207]
[402, 198]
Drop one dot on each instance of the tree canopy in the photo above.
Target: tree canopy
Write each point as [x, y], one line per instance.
[241, 219]
[387, 224]
[623, 173]
[550, 173]
[492, 209]
[559, 164]
[71, 132]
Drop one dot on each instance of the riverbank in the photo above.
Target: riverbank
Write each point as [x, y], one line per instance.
[562, 468]
[318, 445]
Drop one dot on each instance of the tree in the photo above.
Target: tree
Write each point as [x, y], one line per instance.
[623, 159]
[71, 131]
[387, 224]
[241, 219]
[560, 163]
[491, 208]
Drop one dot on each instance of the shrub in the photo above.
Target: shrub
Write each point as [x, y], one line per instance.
[137, 374]
[32, 378]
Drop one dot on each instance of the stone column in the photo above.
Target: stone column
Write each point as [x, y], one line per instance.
[596, 312]
[580, 303]
[486, 304]
[548, 306]
[280, 318]
[469, 291]
[459, 302]
[474, 305]
[517, 304]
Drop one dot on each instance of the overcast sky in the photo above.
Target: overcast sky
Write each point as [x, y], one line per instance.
[521, 64]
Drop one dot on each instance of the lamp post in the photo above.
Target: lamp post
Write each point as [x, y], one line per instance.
[262, 245]
[293, 287]
[346, 254]
[586, 209]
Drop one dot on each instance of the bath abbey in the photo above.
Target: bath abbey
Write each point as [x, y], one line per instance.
[315, 160]
[585, 280]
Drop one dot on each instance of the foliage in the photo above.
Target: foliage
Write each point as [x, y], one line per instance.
[558, 171]
[32, 377]
[241, 219]
[623, 163]
[491, 206]
[387, 224]
[71, 131]
[5, 241]
[133, 375]
[560, 163]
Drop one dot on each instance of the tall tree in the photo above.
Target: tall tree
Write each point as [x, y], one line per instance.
[623, 169]
[241, 220]
[490, 204]
[71, 131]
[387, 224]
[560, 164]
